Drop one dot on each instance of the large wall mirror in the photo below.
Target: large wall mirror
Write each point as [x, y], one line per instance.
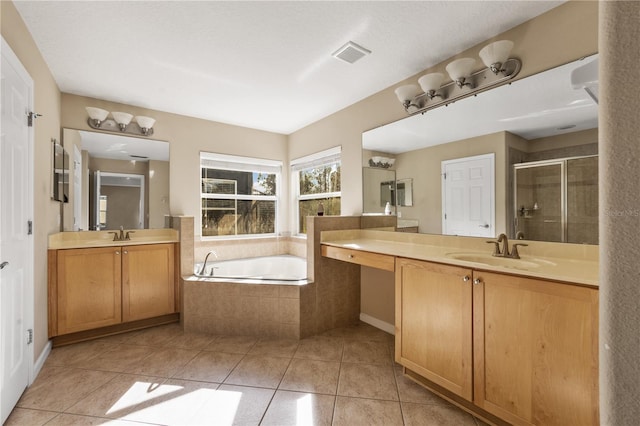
[115, 181]
[543, 134]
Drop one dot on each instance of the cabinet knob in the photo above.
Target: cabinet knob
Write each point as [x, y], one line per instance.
[125, 252]
[466, 278]
[117, 251]
[350, 256]
[477, 281]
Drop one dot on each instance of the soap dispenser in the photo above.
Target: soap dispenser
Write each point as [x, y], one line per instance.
[387, 208]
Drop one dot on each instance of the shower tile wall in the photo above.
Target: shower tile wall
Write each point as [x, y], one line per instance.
[582, 200]
[538, 191]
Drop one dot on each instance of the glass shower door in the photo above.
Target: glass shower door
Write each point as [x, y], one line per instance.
[582, 200]
[539, 197]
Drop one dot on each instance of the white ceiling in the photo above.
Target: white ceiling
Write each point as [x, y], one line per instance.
[265, 65]
[120, 147]
[534, 107]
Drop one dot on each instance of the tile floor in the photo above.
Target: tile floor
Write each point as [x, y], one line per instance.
[162, 376]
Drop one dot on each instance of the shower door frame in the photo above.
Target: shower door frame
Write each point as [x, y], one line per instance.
[563, 189]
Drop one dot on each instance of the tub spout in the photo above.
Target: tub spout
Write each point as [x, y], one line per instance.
[204, 265]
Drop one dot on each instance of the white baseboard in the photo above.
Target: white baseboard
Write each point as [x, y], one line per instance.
[384, 326]
[37, 366]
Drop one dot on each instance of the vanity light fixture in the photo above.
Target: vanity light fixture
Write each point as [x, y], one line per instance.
[123, 119]
[499, 70]
[121, 122]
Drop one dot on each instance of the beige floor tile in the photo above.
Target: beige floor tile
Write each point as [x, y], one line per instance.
[259, 371]
[410, 391]
[209, 367]
[114, 338]
[307, 375]
[325, 349]
[154, 336]
[360, 331]
[277, 348]
[121, 396]
[435, 415]
[164, 362]
[366, 352]
[250, 404]
[122, 358]
[25, 416]
[73, 419]
[367, 381]
[298, 408]
[74, 354]
[232, 344]
[366, 412]
[190, 341]
[61, 387]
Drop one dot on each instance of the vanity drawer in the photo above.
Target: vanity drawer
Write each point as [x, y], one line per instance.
[374, 260]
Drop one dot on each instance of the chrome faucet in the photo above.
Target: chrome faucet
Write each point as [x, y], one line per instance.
[204, 265]
[504, 252]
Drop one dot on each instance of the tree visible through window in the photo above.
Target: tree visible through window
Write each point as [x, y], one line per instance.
[238, 202]
[318, 183]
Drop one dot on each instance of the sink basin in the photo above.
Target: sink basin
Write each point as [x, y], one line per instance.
[505, 262]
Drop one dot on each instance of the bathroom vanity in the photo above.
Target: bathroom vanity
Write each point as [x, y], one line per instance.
[98, 286]
[511, 340]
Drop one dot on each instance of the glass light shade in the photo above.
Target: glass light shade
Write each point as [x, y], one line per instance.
[496, 52]
[407, 92]
[145, 122]
[390, 161]
[97, 113]
[461, 68]
[431, 81]
[122, 117]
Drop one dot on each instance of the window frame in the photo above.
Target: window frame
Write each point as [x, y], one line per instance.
[315, 160]
[215, 161]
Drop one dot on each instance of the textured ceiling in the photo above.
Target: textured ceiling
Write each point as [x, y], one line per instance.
[265, 65]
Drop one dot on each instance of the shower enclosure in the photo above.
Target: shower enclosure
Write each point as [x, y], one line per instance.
[557, 200]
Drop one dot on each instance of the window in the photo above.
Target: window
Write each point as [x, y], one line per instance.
[239, 195]
[316, 179]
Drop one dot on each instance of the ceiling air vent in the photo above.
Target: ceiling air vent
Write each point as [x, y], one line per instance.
[351, 52]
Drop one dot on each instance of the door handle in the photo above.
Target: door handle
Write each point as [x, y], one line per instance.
[3, 264]
[486, 225]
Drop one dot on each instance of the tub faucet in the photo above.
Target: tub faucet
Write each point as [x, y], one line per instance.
[204, 265]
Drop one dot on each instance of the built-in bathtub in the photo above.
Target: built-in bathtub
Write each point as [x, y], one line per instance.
[257, 296]
[267, 270]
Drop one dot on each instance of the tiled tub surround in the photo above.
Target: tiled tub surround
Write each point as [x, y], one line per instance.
[329, 299]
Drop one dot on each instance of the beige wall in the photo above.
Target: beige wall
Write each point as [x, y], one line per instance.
[187, 136]
[46, 213]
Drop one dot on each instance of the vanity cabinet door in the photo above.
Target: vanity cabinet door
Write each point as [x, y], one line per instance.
[147, 281]
[88, 288]
[434, 323]
[535, 350]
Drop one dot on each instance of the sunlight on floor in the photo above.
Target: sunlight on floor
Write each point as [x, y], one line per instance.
[304, 411]
[152, 401]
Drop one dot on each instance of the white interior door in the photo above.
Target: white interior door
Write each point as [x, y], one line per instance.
[468, 192]
[77, 190]
[16, 243]
[95, 199]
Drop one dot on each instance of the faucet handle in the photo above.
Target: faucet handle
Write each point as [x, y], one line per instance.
[496, 248]
[127, 236]
[115, 235]
[514, 250]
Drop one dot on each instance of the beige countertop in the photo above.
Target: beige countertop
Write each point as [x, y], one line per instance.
[87, 239]
[572, 263]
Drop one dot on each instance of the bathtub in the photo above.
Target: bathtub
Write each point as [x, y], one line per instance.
[283, 268]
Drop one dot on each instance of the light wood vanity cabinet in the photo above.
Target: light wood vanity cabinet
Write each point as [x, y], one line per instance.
[92, 288]
[433, 323]
[89, 290]
[535, 350]
[522, 349]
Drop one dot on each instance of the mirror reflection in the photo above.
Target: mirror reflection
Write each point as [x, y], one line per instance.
[536, 119]
[116, 181]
